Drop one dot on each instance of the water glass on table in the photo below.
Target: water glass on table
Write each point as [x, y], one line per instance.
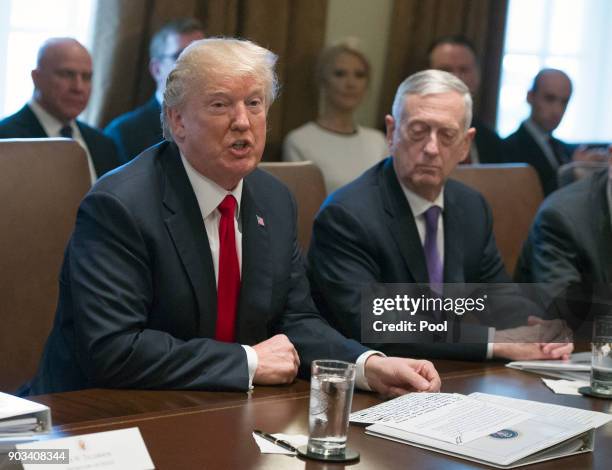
[331, 394]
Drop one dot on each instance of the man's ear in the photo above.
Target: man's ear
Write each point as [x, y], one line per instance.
[154, 69]
[175, 121]
[530, 97]
[468, 141]
[390, 126]
[35, 74]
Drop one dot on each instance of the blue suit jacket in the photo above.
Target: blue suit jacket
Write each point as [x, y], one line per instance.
[138, 298]
[365, 233]
[136, 130]
[24, 124]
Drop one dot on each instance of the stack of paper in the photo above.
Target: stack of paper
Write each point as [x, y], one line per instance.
[21, 420]
[577, 368]
[495, 430]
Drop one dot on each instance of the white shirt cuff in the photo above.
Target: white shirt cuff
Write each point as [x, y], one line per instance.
[490, 343]
[360, 379]
[252, 361]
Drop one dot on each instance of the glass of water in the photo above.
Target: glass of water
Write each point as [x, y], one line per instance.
[331, 394]
[601, 363]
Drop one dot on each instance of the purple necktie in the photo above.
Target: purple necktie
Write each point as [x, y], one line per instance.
[432, 256]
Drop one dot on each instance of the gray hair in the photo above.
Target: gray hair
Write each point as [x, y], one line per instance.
[429, 82]
[218, 58]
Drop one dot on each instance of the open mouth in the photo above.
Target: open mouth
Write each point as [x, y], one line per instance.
[240, 145]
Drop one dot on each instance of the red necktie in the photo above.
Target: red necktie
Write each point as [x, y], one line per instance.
[228, 287]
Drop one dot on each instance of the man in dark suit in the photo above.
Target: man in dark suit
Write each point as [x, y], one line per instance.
[140, 128]
[183, 270]
[570, 241]
[62, 85]
[533, 142]
[402, 221]
[456, 54]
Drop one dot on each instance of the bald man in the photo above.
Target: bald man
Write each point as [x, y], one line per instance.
[456, 54]
[62, 86]
[533, 141]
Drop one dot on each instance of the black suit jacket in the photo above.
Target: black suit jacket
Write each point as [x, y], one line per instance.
[365, 233]
[137, 305]
[521, 147]
[570, 240]
[24, 124]
[488, 143]
[136, 130]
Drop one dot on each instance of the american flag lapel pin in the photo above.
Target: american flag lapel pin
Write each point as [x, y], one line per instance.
[260, 220]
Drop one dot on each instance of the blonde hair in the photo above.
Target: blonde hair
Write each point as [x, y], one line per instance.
[328, 56]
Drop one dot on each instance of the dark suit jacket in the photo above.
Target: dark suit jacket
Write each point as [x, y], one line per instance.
[520, 147]
[137, 305]
[571, 238]
[136, 130]
[365, 233]
[24, 124]
[488, 143]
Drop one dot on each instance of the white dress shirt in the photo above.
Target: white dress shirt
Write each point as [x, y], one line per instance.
[52, 126]
[209, 195]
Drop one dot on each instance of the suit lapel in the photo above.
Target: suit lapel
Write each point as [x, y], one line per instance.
[186, 227]
[256, 278]
[453, 241]
[29, 123]
[401, 224]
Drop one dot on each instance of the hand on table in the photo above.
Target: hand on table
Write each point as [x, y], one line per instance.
[277, 361]
[394, 376]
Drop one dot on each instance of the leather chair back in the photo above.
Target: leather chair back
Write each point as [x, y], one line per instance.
[42, 182]
[305, 181]
[514, 193]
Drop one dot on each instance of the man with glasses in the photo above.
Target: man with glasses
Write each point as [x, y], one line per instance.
[137, 130]
[62, 86]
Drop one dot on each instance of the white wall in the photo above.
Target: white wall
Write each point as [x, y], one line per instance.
[369, 21]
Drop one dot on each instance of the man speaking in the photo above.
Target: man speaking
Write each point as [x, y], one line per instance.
[183, 271]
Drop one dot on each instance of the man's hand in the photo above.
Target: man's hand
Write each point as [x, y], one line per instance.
[277, 361]
[547, 339]
[395, 376]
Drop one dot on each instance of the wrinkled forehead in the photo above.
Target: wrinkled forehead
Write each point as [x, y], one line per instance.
[443, 108]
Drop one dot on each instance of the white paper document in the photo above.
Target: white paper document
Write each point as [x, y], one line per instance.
[565, 387]
[110, 450]
[593, 419]
[548, 432]
[20, 417]
[407, 406]
[461, 421]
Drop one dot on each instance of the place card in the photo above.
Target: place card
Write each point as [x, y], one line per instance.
[110, 450]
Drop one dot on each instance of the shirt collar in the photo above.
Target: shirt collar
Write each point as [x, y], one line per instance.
[536, 131]
[49, 123]
[419, 204]
[208, 193]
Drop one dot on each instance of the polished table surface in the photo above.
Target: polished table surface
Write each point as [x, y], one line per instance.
[209, 430]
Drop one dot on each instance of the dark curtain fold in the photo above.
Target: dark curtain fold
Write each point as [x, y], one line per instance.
[416, 23]
[293, 29]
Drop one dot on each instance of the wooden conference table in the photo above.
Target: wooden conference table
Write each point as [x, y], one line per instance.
[212, 430]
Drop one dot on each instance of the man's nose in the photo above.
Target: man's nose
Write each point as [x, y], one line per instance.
[240, 119]
[432, 145]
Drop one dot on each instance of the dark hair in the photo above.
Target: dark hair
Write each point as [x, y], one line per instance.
[177, 26]
[455, 39]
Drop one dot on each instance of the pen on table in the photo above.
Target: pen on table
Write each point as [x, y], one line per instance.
[278, 442]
